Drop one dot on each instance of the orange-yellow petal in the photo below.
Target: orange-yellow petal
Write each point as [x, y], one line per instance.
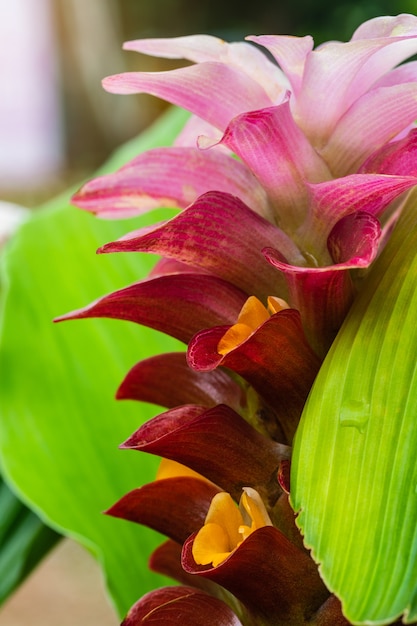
[224, 512]
[252, 315]
[226, 526]
[253, 510]
[172, 469]
[233, 337]
[211, 545]
[275, 304]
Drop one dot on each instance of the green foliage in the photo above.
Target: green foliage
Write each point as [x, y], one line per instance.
[24, 541]
[354, 477]
[60, 427]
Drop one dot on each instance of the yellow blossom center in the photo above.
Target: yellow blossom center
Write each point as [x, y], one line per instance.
[228, 525]
[252, 315]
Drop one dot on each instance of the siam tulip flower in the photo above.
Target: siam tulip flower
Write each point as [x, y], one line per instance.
[225, 529]
[286, 186]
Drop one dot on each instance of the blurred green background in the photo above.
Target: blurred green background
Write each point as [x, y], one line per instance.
[234, 18]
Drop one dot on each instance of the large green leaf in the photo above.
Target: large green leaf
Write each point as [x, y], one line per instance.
[60, 426]
[24, 540]
[354, 474]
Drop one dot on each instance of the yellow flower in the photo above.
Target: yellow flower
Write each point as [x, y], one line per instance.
[227, 526]
[252, 315]
[171, 469]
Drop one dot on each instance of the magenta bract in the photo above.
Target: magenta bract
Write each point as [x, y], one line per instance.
[194, 235]
[190, 302]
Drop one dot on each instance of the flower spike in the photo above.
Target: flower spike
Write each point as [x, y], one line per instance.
[286, 183]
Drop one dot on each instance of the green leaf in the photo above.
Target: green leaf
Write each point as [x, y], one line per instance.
[60, 426]
[24, 541]
[354, 472]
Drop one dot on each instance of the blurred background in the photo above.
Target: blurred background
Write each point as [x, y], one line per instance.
[57, 125]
